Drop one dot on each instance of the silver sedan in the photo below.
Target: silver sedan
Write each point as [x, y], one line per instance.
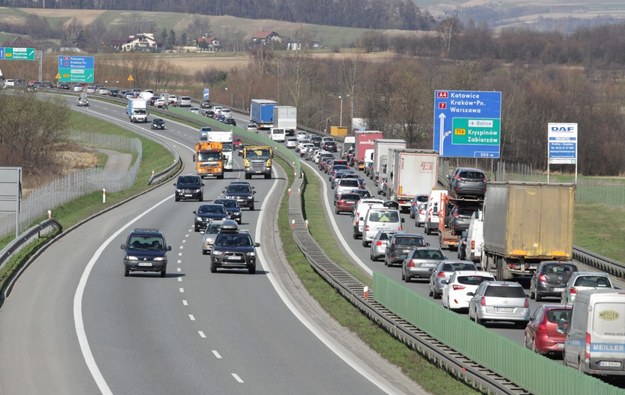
[499, 301]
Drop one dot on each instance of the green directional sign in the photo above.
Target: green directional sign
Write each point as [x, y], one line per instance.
[19, 53]
[476, 131]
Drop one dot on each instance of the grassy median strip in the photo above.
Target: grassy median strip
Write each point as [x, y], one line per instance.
[429, 377]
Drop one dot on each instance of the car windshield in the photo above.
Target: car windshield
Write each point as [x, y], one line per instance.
[410, 241]
[188, 180]
[452, 267]
[428, 254]
[238, 189]
[505, 292]
[257, 154]
[208, 156]
[227, 203]
[473, 280]
[211, 209]
[146, 243]
[234, 240]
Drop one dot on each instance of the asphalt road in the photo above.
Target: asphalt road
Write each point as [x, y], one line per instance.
[75, 325]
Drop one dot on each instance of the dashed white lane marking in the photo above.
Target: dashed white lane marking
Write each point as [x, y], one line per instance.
[179, 269]
[202, 335]
[216, 354]
[185, 303]
[184, 241]
[237, 378]
[180, 254]
[179, 261]
[181, 247]
[191, 317]
[179, 279]
[181, 290]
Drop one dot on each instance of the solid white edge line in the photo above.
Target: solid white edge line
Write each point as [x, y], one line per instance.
[321, 335]
[337, 232]
[78, 295]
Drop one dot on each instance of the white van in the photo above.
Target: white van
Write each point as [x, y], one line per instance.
[380, 219]
[277, 135]
[185, 101]
[359, 214]
[435, 202]
[595, 341]
[475, 237]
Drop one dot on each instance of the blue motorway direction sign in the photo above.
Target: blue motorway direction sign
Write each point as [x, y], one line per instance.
[467, 124]
[76, 69]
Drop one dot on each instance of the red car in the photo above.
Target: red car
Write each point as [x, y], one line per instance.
[346, 202]
[541, 332]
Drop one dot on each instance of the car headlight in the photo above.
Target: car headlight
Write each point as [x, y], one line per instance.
[250, 253]
[179, 190]
[215, 253]
[251, 197]
[199, 219]
[132, 258]
[160, 259]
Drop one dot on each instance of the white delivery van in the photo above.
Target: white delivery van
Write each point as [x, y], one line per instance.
[435, 202]
[595, 341]
[278, 135]
[475, 237]
[377, 219]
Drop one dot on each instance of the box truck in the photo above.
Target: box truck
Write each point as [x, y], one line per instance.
[285, 117]
[137, 110]
[380, 156]
[525, 224]
[412, 172]
[261, 113]
[364, 141]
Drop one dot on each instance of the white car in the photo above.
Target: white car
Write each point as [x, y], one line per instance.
[580, 281]
[217, 110]
[291, 142]
[305, 147]
[226, 112]
[77, 88]
[421, 215]
[459, 284]
[301, 136]
[103, 91]
[160, 102]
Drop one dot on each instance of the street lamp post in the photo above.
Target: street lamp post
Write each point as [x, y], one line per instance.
[351, 111]
[231, 97]
[341, 113]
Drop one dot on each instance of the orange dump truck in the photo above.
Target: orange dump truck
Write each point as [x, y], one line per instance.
[209, 159]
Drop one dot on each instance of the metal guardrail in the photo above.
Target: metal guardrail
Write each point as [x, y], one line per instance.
[167, 173]
[18, 244]
[353, 289]
[597, 261]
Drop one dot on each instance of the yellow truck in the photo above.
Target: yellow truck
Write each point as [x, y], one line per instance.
[209, 159]
[526, 223]
[257, 159]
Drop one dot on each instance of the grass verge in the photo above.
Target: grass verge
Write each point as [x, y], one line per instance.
[429, 377]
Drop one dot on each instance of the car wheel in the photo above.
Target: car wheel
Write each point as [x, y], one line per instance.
[405, 278]
[364, 243]
[532, 294]
[520, 324]
[252, 207]
[411, 215]
[164, 271]
[197, 229]
[252, 269]
[267, 176]
[213, 267]
[427, 230]
[479, 321]
[201, 198]
[126, 272]
[538, 297]
[436, 295]
[176, 198]
[336, 211]
[248, 176]
[430, 293]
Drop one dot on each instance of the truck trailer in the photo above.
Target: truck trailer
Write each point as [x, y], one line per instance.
[380, 156]
[261, 113]
[364, 141]
[225, 138]
[412, 172]
[525, 224]
[285, 117]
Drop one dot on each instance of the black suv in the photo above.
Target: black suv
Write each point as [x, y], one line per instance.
[145, 250]
[158, 123]
[233, 248]
[242, 193]
[207, 213]
[400, 245]
[232, 207]
[189, 187]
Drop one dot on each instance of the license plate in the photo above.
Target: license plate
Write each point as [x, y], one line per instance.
[558, 290]
[187, 195]
[560, 346]
[504, 309]
[234, 258]
[429, 265]
[610, 364]
[146, 264]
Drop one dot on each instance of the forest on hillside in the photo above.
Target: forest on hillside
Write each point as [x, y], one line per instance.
[371, 14]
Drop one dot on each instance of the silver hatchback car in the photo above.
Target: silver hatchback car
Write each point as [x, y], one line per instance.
[421, 262]
[378, 245]
[499, 301]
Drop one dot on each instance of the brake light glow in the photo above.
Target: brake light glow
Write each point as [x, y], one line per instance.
[457, 287]
[378, 243]
[542, 278]
[411, 264]
[482, 301]
[472, 244]
[526, 304]
[441, 275]
[573, 290]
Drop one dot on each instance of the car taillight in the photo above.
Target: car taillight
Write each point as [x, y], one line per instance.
[457, 287]
[340, 201]
[542, 327]
[472, 244]
[587, 348]
[573, 291]
[542, 278]
[457, 177]
[411, 264]
[378, 243]
[482, 301]
[526, 304]
[366, 227]
[441, 275]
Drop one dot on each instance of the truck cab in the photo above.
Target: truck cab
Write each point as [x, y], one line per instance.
[209, 159]
[257, 160]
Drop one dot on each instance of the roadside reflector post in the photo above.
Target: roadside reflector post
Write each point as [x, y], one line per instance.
[306, 224]
[292, 224]
[49, 214]
[103, 195]
[365, 292]
[289, 191]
